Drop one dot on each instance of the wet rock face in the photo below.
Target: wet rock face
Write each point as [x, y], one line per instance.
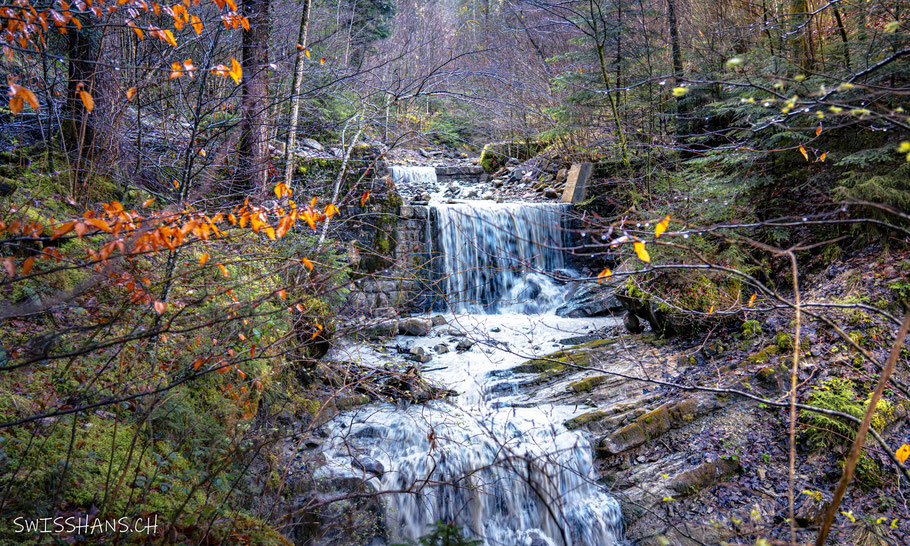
[590, 300]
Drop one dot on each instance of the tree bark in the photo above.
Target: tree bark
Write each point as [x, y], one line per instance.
[681, 124]
[254, 144]
[296, 87]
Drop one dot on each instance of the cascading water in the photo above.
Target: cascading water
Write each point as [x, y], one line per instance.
[406, 174]
[496, 256]
[506, 473]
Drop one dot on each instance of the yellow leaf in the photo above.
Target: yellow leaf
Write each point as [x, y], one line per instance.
[661, 227]
[680, 91]
[331, 210]
[223, 269]
[642, 253]
[804, 152]
[148, 202]
[363, 200]
[823, 156]
[197, 24]
[605, 274]
[752, 300]
[322, 60]
[202, 259]
[711, 310]
[270, 231]
[305, 261]
[903, 453]
[236, 72]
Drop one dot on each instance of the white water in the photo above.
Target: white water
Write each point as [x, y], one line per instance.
[499, 256]
[404, 174]
[506, 471]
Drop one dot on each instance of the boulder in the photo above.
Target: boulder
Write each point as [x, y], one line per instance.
[379, 330]
[658, 422]
[312, 144]
[464, 345]
[414, 326]
[442, 348]
[438, 320]
[589, 300]
[369, 465]
[418, 354]
[550, 193]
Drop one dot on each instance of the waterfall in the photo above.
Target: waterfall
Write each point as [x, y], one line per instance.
[405, 174]
[495, 257]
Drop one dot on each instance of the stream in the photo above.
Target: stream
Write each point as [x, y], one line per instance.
[504, 469]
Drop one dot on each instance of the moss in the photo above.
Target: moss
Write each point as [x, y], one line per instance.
[764, 356]
[585, 419]
[751, 329]
[554, 363]
[651, 425]
[595, 344]
[588, 384]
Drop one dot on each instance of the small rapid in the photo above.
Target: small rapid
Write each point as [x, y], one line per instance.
[506, 471]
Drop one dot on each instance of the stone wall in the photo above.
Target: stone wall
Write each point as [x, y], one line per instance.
[406, 285]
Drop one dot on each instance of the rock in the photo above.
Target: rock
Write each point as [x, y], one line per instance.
[442, 348]
[464, 345]
[633, 326]
[455, 332]
[550, 193]
[812, 511]
[438, 320]
[657, 422]
[368, 464]
[498, 183]
[561, 176]
[704, 475]
[418, 354]
[590, 300]
[311, 144]
[414, 326]
[495, 329]
[379, 330]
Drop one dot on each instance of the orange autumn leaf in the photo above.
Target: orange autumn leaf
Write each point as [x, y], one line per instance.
[223, 269]
[305, 261]
[28, 265]
[202, 259]
[63, 230]
[148, 202]
[130, 93]
[10, 266]
[711, 310]
[661, 227]
[752, 300]
[363, 200]
[823, 156]
[317, 332]
[641, 252]
[270, 231]
[236, 71]
[331, 210]
[197, 24]
[197, 364]
[87, 100]
[322, 60]
[803, 151]
[282, 294]
[603, 275]
[160, 307]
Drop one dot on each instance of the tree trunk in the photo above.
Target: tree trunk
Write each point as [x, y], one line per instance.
[681, 124]
[254, 144]
[78, 130]
[296, 88]
[801, 39]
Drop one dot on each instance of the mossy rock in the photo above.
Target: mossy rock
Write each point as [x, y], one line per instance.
[658, 422]
[588, 384]
[554, 363]
[586, 419]
[765, 355]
